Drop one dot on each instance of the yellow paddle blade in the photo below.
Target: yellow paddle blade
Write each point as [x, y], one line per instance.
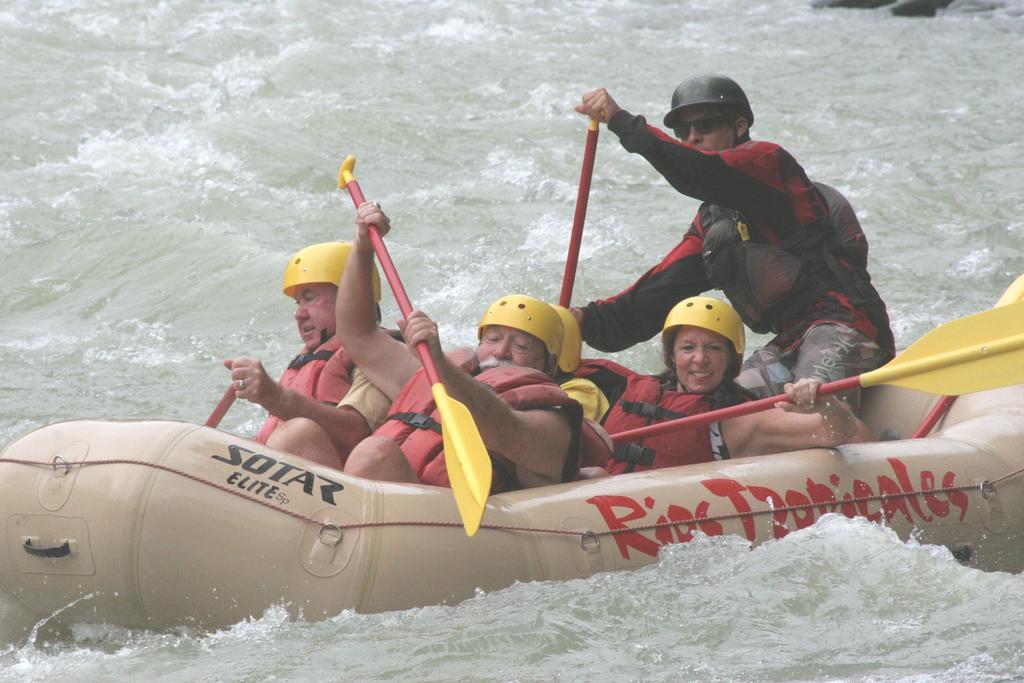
[465, 457]
[979, 352]
[1014, 292]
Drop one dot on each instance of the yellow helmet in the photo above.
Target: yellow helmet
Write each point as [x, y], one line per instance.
[527, 314]
[572, 340]
[321, 263]
[710, 314]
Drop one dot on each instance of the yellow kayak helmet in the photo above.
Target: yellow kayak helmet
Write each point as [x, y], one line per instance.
[572, 340]
[321, 263]
[710, 314]
[527, 314]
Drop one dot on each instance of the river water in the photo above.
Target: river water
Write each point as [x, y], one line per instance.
[161, 160]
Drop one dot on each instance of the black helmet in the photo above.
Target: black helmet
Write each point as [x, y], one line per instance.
[708, 89]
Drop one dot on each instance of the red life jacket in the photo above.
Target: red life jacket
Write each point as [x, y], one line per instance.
[645, 402]
[324, 374]
[610, 378]
[595, 446]
[414, 423]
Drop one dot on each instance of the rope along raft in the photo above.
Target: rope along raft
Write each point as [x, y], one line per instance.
[986, 488]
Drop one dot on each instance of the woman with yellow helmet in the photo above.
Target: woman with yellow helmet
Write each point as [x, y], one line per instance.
[702, 345]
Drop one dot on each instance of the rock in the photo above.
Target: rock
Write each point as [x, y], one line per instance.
[918, 8]
[856, 4]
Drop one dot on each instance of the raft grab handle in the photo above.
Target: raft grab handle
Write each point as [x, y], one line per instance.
[62, 550]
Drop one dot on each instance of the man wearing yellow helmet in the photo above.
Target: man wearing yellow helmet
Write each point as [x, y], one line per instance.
[532, 429]
[702, 344]
[312, 385]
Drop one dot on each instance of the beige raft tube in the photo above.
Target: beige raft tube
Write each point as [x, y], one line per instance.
[159, 524]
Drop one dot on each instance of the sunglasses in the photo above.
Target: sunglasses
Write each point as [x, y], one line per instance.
[703, 125]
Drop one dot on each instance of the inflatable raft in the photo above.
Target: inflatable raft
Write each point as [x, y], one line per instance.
[155, 524]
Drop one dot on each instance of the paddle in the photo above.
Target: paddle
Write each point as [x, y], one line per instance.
[222, 407]
[1014, 292]
[979, 352]
[466, 457]
[582, 197]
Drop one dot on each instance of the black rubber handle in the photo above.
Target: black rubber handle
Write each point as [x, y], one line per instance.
[62, 550]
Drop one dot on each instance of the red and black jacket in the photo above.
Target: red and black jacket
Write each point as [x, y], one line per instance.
[769, 192]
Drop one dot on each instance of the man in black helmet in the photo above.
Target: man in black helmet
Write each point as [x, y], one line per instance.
[788, 253]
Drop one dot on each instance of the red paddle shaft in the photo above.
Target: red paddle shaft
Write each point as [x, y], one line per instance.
[582, 197]
[222, 407]
[936, 413]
